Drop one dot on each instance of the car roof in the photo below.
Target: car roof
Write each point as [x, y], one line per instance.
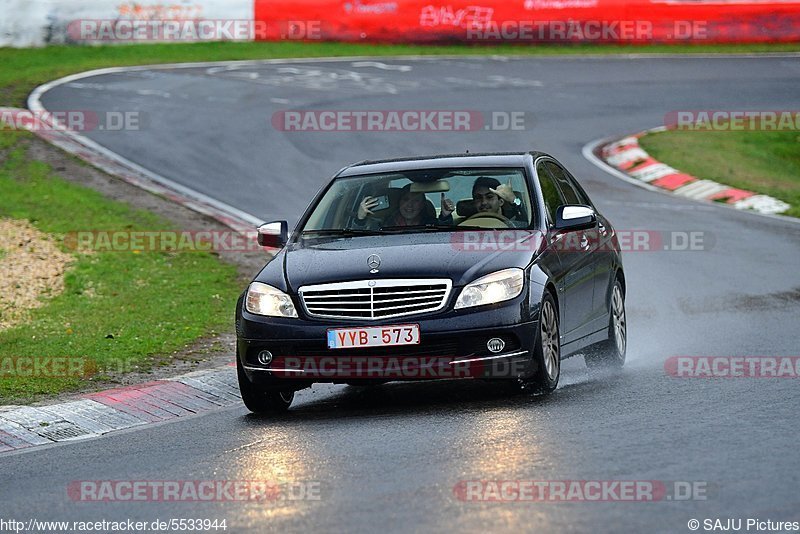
[489, 159]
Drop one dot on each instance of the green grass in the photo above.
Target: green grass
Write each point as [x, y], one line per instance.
[117, 308]
[759, 161]
[24, 69]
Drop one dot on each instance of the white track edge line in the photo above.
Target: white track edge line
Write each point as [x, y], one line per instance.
[35, 105]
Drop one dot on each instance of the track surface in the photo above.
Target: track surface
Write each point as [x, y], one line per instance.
[389, 458]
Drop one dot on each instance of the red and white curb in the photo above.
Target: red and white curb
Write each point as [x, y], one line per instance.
[96, 414]
[627, 157]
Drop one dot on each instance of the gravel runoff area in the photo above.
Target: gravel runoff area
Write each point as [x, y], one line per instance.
[205, 353]
[32, 268]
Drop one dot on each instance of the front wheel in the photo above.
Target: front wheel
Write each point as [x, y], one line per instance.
[610, 354]
[547, 349]
[259, 400]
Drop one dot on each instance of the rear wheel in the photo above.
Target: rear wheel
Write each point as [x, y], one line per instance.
[547, 349]
[610, 354]
[260, 400]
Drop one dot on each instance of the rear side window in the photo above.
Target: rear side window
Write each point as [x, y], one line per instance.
[552, 196]
[570, 193]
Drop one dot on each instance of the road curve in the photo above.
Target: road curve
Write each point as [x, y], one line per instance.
[391, 457]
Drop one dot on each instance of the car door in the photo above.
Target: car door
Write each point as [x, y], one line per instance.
[603, 253]
[576, 283]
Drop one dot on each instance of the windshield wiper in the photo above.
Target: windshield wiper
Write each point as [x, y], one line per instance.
[339, 232]
[351, 232]
[416, 227]
[430, 228]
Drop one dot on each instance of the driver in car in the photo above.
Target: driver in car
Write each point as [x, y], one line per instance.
[490, 196]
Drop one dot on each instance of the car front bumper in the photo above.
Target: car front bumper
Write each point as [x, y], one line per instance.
[452, 345]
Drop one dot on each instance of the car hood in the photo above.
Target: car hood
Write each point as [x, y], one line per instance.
[461, 257]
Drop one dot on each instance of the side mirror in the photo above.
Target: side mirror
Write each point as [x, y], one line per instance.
[572, 217]
[273, 234]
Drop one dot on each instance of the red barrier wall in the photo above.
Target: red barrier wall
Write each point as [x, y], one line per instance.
[531, 21]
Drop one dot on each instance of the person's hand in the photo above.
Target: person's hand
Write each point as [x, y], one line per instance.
[505, 191]
[365, 208]
[448, 206]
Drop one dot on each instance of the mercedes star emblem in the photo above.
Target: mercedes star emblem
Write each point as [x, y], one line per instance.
[373, 262]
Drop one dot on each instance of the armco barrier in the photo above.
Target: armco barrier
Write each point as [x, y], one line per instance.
[531, 21]
[39, 22]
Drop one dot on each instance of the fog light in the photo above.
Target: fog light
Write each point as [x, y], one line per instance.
[495, 344]
[265, 357]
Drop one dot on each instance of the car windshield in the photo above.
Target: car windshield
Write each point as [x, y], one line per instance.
[435, 200]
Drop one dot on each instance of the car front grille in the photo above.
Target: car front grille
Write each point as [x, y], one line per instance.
[375, 299]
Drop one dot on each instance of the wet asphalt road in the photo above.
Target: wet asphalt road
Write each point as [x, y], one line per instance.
[389, 458]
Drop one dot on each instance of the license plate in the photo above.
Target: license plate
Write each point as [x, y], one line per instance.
[373, 336]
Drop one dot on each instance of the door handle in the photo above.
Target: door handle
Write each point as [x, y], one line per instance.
[584, 242]
[602, 228]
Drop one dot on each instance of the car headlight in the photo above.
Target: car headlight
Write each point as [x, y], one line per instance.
[263, 299]
[495, 287]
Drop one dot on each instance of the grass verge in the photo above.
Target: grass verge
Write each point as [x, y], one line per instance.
[24, 69]
[766, 162]
[118, 308]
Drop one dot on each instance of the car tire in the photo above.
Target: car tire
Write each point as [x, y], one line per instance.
[259, 400]
[610, 354]
[546, 349]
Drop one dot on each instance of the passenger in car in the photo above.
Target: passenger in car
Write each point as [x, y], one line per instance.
[413, 209]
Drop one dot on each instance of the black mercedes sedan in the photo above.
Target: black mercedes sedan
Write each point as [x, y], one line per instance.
[480, 266]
